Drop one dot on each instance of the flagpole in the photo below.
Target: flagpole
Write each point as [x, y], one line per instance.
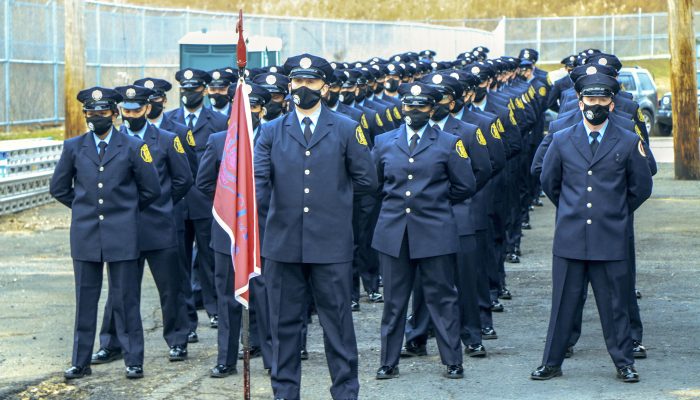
[241, 60]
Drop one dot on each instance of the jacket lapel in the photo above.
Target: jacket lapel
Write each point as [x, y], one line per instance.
[202, 120]
[323, 127]
[90, 148]
[609, 141]
[293, 128]
[114, 147]
[580, 141]
[401, 141]
[426, 140]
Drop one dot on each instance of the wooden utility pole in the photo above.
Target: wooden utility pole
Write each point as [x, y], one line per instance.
[74, 72]
[681, 37]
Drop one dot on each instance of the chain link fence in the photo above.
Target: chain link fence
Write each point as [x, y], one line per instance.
[125, 42]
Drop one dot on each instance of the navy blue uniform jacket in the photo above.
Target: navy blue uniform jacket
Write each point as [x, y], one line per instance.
[105, 197]
[314, 225]
[157, 225]
[418, 191]
[198, 206]
[595, 195]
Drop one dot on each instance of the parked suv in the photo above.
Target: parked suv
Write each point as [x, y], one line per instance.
[640, 83]
[664, 121]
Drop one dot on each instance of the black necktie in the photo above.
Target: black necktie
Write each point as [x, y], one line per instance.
[414, 143]
[190, 121]
[307, 129]
[594, 143]
[102, 145]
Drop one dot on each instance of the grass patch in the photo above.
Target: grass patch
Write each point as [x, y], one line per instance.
[55, 132]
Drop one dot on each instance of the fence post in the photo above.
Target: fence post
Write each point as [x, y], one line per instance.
[539, 34]
[55, 60]
[639, 31]
[605, 33]
[98, 45]
[143, 43]
[575, 24]
[8, 56]
[651, 37]
[612, 35]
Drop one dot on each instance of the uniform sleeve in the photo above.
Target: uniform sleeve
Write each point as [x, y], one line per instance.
[553, 97]
[479, 156]
[379, 167]
[358, 162]
[538, 159]
[190, 153]
[180, 173]
[262, 161]
[511, 132]
[551, 175]
[459, 170]
[208, 172]
[639, 181]
[497, 152]
[146, 176]
[61, 187]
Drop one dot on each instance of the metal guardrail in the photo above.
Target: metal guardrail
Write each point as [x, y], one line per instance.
[26, 168]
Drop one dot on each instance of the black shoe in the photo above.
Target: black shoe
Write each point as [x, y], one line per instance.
[628, 374]
[177, 353]
[387, 372]
[526, 225]
[569, 352]
[254, 352]
[488, 333]
[497, 306]
[517, 251]
[505, 294]
[638, 294]
[413, 349]
[354, 306]
[192, 337]
[134, 372]
[454, 372]
[375, 297]
[381, 281]
[530, 208]
[545, 372]
[214, 321]
[222, 371]
[304, 354]
[105, 355]
[475, 350]
[638, 350]
[77, 372]
[538, 203]
[542, 194]
[512, 258]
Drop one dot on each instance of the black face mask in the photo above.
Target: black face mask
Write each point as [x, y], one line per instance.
[347, 98]
[305, 98]
[480, 93]
[99, 124]
[360, 95]
[494, 84]
[255, 119]
[135, 124]
[379, 89]
[441, 111]
[332, 99]
[274, 110]
[191, 98]
[156, 110]
[219, 100]
[459, 103]
[391, 85]
[416, 119]
[596, 114]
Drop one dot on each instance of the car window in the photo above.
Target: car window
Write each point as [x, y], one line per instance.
[627, 82]
[645, 81]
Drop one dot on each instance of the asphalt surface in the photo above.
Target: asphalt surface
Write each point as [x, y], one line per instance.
[37, 298]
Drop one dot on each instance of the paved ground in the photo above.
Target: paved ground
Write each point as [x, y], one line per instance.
[37, 297]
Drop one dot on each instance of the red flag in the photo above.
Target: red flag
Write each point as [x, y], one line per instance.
[235, 207]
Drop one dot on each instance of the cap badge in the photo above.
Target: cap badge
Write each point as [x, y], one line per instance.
[149, 84]
[188, 74]
[97, 95]
[305, 62]
[416, 90]
[130, 93]
[591, 70]
[397, 58]
[216, 75]
[270, 80]
[273, 69]
[455, 75]
[437, 79]
[603, 61]
[248, 89]
[334, 65]
[391, 67]
[476, 70]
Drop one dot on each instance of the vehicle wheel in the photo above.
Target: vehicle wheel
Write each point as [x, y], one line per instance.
[663, 130]
[648, 119]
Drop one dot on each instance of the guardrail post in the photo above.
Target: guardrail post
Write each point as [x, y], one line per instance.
[54, 23]
[8, 56]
